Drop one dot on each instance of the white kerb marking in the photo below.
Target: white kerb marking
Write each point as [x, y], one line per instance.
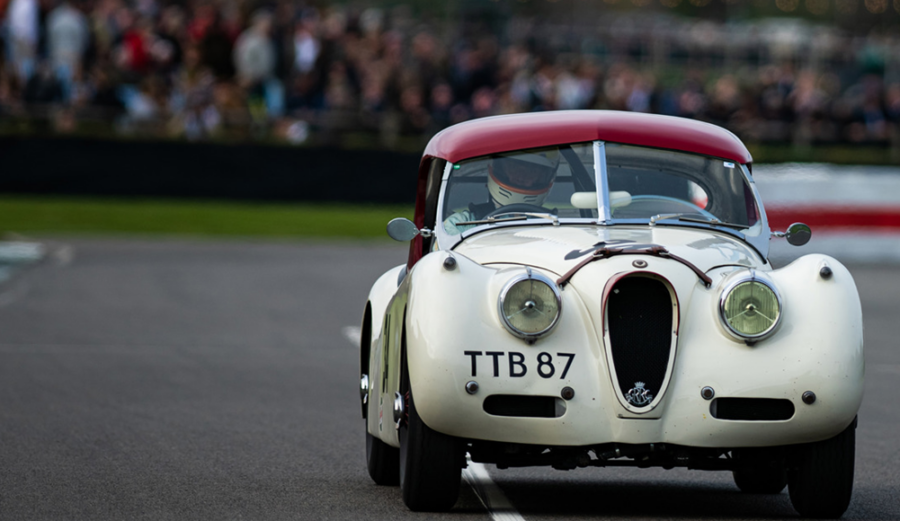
[351, 333]
[493, 499]
[475, 474]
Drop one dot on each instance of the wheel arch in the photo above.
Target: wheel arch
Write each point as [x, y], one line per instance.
[365, 340]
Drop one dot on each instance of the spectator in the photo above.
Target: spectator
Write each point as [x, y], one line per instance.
[194, 83]
[441, 102]
[148, 103]
[133, 53]
[574, 90]
[306, 47]
[417, 117]
[67, 41]
[255, 63]
[23, 33]
[254, 52]
[167, 50]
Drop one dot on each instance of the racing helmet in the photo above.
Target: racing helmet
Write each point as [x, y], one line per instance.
[522, 177]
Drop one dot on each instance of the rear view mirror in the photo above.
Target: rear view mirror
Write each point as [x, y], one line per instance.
[588, 200]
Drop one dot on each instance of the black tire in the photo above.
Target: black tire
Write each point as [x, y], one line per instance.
[383, 461]
[765, 480]
[821, 483]
[430, 462]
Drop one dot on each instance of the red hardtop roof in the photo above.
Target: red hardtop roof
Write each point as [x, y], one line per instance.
[518, 131]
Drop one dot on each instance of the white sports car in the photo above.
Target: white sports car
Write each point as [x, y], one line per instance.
[592, 289]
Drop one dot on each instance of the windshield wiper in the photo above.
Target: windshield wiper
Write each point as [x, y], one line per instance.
[685, 217]
[714, 222]
[523, 216]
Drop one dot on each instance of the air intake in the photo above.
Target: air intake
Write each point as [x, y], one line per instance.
[524, 406]
[639, 317]
[751, 409]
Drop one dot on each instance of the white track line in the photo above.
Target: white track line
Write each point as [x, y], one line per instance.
[476, 475]
[493, 499]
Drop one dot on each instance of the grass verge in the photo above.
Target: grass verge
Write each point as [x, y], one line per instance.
[96, 216]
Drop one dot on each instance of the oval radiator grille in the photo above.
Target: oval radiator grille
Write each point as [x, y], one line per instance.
[639, 314]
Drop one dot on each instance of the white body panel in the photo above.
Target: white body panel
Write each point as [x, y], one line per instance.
[817, 347]
[379, 297]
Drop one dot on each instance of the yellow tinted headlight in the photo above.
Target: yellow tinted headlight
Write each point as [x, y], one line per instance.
[530, 305]
[751, 309]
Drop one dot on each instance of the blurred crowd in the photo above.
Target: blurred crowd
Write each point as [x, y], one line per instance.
[199, 69]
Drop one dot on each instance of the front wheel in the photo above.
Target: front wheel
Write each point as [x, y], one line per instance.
[430, 463]
[383, 461]
[822, 482]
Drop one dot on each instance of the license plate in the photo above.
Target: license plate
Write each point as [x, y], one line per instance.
[516, 365]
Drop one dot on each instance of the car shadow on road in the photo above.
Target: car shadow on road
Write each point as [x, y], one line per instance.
[651, 499]
[636, 500]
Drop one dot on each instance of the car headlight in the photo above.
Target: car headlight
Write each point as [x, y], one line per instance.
[530, 305]
[750, 308]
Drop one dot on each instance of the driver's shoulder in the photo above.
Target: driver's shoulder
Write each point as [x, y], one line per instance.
[479, 211]
[458, 217]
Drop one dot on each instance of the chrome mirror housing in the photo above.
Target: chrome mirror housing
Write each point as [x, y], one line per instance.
[403, 230]
[797, 234]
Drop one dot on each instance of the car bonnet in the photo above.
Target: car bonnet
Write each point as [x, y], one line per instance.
[559, 249]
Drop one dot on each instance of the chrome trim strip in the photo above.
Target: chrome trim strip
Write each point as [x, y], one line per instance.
[444, 240]
[447, 169]
[600, 179]
[760, 241]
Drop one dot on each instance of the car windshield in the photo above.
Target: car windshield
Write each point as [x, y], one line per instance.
[540, 180]
[678, 185]
[558, 183]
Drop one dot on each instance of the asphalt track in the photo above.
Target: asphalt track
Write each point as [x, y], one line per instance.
[210, 380]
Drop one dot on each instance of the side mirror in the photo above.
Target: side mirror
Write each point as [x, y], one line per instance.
[797, 234]
[404, 230]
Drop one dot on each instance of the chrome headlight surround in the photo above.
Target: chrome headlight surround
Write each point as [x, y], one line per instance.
[529, 275]
[750, 278]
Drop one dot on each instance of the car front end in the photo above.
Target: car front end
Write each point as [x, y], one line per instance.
[605, 299]
[639, 352]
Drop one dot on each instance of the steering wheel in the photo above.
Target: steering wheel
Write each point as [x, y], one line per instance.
[677, 205]
[517, 207]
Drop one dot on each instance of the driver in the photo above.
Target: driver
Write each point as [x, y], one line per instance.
[513, 178]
